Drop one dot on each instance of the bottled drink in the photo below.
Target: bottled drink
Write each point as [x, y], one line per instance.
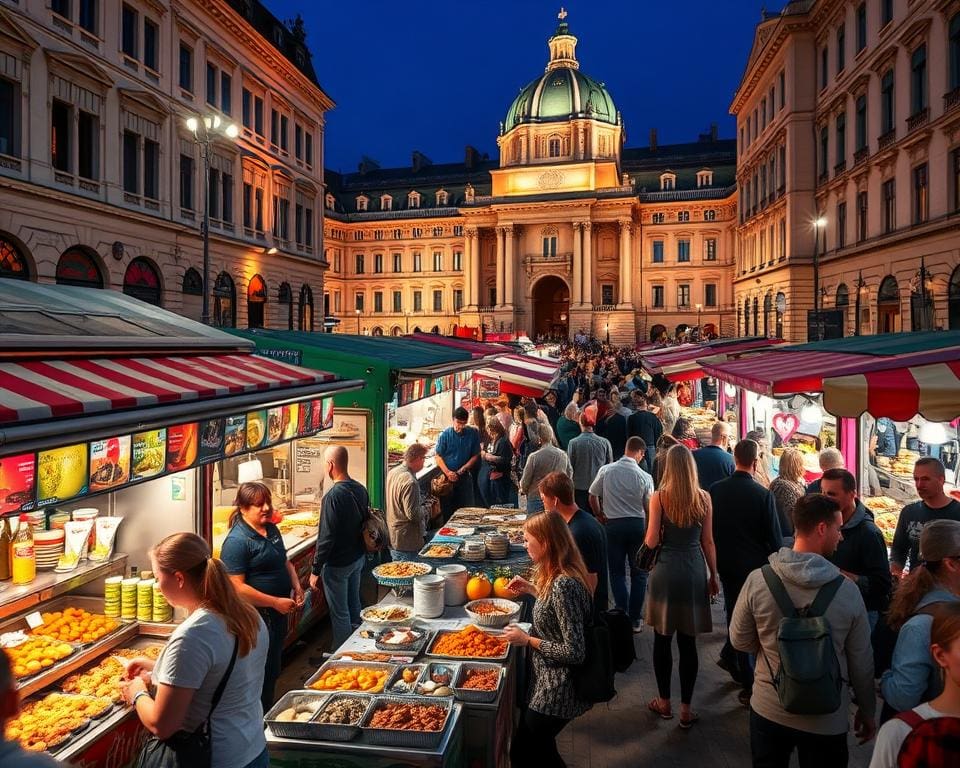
[24, 561]
[6, 538]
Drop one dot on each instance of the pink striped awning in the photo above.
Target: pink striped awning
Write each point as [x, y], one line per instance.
[681, 363]
[533, 375]
[36, 390]
[932, 390]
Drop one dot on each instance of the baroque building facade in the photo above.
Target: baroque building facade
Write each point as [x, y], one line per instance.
[568, 230]
[102, 181]
[848, 129]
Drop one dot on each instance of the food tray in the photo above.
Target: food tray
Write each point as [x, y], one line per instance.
[453, 544]
[388, 668]
[427, 673]
[287, 729]
[414, 648]
[400, 581]
[472, 694]
[396, 676]
[495, 620]
[331, 732]
[388, 737]
[436, 637]
[409, 619]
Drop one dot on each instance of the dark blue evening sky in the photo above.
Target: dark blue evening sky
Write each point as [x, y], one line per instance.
[436, 76]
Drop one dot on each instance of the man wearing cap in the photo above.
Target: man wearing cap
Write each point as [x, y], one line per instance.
[929, 476]
[458, 451]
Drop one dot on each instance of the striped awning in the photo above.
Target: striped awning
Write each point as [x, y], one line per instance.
[900, 393]
[522, 374]
[40, 390]
[681, 364]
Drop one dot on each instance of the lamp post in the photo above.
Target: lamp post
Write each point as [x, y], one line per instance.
[921, 311]
[359, 312]
[406, 318]
[818, 224]
[699, 326]
[205, 129]
[861, 286]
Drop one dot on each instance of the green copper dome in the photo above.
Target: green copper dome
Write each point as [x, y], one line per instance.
[559, 95]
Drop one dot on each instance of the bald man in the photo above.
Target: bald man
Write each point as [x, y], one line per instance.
[340, 554]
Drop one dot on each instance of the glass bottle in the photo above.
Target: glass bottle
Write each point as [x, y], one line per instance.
[24, 561]
[6, 539]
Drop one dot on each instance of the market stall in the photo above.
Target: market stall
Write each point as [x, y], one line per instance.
[115, 419]
[522, 375]
[411, 393]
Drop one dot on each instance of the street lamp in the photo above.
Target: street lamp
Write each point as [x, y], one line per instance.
[818, 224]
[359, 312]
[861, 290]
[205, 130]
[406, 317]
[921, 302]
[699, 326]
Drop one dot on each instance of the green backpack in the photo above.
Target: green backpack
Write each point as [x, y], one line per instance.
[808, 681]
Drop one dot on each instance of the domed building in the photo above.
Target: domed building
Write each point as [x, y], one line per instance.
[568, 231]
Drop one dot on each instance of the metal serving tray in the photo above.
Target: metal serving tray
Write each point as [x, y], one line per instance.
[441, 633]
[388, 668]
[294, 729]
[389, 737]
[335, 732]
[472, 694]
[396, 676]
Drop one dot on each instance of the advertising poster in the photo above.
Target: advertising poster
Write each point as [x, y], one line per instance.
[291, 420]
[303, 419]
[211, 440]
[327, 410]
[276, 425]
[62, 474]
[316, 415]
[182, 443]
[109, 463]
[234, 434]
[256, 429]
[149, 453]
[17, 482]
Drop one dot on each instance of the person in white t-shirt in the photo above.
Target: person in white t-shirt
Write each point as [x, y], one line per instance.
[197, 657]
[911, 734]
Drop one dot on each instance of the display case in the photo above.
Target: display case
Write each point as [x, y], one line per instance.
[798, 421]
[420, 421]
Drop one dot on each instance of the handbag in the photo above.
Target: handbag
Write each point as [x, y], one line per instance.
[441, 486]
[185, 749]
[374, 531]
[647, 557]
[593, 678]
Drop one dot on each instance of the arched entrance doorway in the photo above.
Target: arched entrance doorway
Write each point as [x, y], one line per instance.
[551, 308]
[888, 305]
[256, 302]
[142, 281]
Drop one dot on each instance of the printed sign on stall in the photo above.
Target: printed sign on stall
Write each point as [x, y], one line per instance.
[211, 440]
[17, 482]
[488, 388]
[234, 434]
[256, 429]
[291, 420]
[109, 463]
[275, 424]
[62, 474]
[327, 411]
[182, 446]
[149, 453]
[303, 419]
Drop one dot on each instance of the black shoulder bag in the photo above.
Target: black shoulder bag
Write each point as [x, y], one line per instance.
[593, 678]
[185, 749]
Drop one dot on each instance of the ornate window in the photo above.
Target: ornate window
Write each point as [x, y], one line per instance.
[362, 202]
[668, 181]
[12, 264]
[256, 302]
[142, 281]
[386, 203]
[306, 308]
[413, 199]
[442, 197]
[77, 267]
[285, 296]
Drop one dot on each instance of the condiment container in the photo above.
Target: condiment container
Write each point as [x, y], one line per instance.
[455, 579]
[428, 591]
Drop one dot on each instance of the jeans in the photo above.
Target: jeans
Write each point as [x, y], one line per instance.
[399, 556]
[260, 761]
[277, 631]
[341, 587]
[460, 496]
[534, 503]
[535, 742]
[771, 745]
[624, 537]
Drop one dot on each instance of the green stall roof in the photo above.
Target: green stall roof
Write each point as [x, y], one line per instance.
[885, 344]
[400, 354]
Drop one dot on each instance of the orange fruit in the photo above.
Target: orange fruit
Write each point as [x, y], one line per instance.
[500, 588]
[479, 587]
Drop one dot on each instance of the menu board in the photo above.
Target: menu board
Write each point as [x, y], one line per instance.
[182, 446]
[234, 434]
[109, 463]
[256, 429]
[62, 473]
[211, 440]
[18, 482]
[149, 453]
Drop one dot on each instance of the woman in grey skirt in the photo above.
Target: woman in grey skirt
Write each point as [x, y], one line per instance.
[680, 585]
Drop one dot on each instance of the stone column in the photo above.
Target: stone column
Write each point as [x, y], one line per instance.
[509, 268]
[474, 274]
[467, 273]
[576, 289]
[588, 264]
[501, 234]
[626, 263]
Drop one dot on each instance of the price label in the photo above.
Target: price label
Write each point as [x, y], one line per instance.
[34, 620]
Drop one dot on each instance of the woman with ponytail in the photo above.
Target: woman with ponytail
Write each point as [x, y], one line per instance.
[223, 639]
[256, 559]
[914, 676]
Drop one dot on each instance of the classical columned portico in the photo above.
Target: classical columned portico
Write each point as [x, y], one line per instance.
[626, 263]
[509, 268]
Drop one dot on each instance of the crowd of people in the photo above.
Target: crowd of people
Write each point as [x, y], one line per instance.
[605, 468]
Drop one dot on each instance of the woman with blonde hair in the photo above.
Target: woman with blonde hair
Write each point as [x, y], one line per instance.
[212, 667]
[787, 488]
[664, 444]
[557, 641]
[679, 588]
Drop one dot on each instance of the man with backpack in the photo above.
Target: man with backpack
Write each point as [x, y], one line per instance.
[808, 626]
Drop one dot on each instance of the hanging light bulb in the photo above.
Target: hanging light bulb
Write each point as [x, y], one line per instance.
[729, 390]
[811, 413]
[932, 433]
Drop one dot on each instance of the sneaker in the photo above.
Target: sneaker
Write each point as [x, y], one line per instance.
[638, 626]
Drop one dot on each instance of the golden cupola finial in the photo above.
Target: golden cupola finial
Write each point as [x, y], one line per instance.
[563, 45]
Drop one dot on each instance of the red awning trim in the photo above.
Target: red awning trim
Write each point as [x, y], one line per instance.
[51, 389]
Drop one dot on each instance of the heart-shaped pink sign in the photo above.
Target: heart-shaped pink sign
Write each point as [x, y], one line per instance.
[785, 425]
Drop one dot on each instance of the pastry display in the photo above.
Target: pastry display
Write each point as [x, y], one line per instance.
[36, 654]
[75, 625]
[44, 724]
[367, 679]
[103, 680]
[887, 523]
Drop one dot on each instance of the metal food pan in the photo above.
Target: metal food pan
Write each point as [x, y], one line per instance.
[388, 737]
[288, 729]
[336, 732]
[388, 668]
[428, 671]
[396, 676]
[474, 695]
[436, 638]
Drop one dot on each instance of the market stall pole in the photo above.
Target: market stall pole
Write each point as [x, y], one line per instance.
[121, 405]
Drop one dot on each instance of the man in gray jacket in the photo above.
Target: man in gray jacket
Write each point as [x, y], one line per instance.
[546, 459]
[588, 451]
[820, 740]
[407, 515]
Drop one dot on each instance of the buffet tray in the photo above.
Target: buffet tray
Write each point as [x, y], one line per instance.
[441, 633]
[333, 732]
[474, 695]
[387, 667]
[391, 737]
[293, 729]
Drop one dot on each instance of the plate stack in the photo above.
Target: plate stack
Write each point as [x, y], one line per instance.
[498, 545]
[48, 546]
[474, 550]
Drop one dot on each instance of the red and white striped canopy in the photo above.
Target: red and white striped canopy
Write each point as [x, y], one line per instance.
[36, 390]
[522, 374]
[932, 390]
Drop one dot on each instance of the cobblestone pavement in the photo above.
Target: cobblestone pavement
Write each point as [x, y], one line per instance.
[623, 734]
